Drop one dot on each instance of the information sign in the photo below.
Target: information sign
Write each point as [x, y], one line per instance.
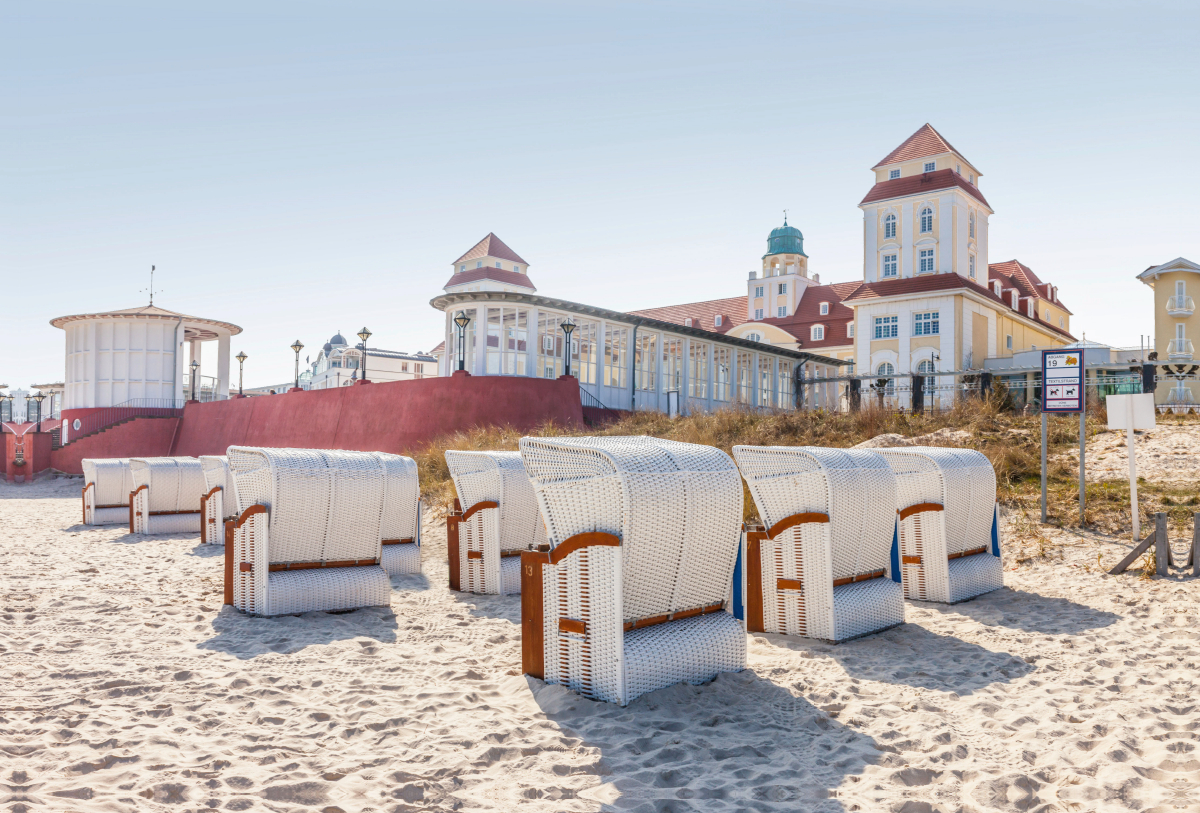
[1062, 381]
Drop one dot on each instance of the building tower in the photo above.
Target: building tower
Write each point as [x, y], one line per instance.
[774, 293]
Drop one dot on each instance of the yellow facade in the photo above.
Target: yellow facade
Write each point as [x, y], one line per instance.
[1176, 325]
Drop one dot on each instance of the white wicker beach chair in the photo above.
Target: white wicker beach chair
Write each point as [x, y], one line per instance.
[826, 567]
[643, 535]
[218, 504]
[949, 522]
[107, 484]
[166, 493]
[484, 541]
[310, 528]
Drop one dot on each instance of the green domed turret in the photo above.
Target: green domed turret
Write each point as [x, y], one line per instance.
[785, 240]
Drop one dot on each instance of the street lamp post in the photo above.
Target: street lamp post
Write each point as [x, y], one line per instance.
[568, 328]
[241, 357]
[297, 347]
[462, 320]
[195, 367]
[364, 334]
[39, 398]
[8, 398]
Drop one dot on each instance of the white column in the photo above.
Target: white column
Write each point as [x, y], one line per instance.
[480, 340]
[531, 341]
[91, 365]
[947, 244]
[711, 373]
[871, 245]
[223, 364]
[177, 359]
[685, 379]
[904, 231]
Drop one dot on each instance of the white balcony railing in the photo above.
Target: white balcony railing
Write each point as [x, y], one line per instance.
[1181, 306]
[1180, 349]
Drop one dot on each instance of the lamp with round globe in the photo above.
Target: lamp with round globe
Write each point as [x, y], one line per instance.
[39, 398]
[241, 357]
[462, 320]
[364, 334]
[297, 347]
[195, 365]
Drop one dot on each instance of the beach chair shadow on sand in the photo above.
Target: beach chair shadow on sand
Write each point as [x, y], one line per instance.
[1031, 612]
[246, 636]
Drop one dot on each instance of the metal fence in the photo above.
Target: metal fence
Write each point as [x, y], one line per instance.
[101, 419]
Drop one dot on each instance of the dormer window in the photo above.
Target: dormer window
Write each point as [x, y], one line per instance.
[930, 166]
[1014, 297]
[849, 330]
[996, 287]
[817, 334]
[824, 308]
[718, 321]
[893, 174]
[687, 322]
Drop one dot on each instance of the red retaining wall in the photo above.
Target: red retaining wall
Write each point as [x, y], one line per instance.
[140, 437]
[395, 417]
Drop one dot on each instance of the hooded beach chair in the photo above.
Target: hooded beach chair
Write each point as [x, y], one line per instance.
[166, 495]
[643, 536]
[218, 504]
[310, 528]
[484, 541]
[107, 484]
[949, 522]
[826, 564]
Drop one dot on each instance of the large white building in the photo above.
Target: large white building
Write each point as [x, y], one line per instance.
[339, 365]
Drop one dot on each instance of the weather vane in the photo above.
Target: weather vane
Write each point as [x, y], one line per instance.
[785, 217]
[151, 289]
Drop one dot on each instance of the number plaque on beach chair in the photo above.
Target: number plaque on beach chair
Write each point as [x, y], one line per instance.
[826, 565]
[484, 541]
[949, 522]
[630, 597]
[311, 527]
[107, 484]
[166, 491]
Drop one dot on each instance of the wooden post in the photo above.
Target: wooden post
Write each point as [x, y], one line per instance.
[452, 543]
[754, 589]
[1162, 546]
[1196, 544]
[229, 561]
[533, 654]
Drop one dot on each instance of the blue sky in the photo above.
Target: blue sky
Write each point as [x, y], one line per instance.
[298, 168]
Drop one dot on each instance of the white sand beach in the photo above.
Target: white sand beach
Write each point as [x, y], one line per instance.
[127, 687]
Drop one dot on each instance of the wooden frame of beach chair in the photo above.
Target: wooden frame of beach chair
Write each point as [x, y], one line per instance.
[949, 522]
[642, 536]
[218, 505]
[310, 529]
[107, 484]
[165, 493]
[485, 541]
[826, 563]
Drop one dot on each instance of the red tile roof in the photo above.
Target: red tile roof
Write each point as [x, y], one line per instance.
[1020, 276]
[923, 143]
[440, 348]
[491, 246]
[940, 282]
[808, 314]
[497, 274]
[920, 184]
[701, 313]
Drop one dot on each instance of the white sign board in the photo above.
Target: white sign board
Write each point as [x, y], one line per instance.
[1119, 407]
[1062, 381]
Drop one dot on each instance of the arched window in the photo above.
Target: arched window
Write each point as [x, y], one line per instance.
[927, 367]
[754, 337]
[926, 220]
[889, 227]
[886, 368]
[971, 225]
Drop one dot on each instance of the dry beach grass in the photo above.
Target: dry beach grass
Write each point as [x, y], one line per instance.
[124, 686]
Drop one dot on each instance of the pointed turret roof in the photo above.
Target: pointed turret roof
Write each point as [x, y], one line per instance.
[492, 246]
[923, 143]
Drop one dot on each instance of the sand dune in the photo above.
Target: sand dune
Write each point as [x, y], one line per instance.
[126, 687]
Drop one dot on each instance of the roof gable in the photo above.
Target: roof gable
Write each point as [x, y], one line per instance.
[925, 142]
[494, 274]
[491, 246]
[923, 184]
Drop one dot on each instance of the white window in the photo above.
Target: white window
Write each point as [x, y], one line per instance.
[758, 290]
[1179, 331]
[926, 261]
[926, 366]
[1060, 322]
[498, 265]
[926, 324]
[517, 268]
[687, 322]
[971, 225]
[479, 264]
[817, 334]
[958, 168]
[889, 227]
[758, 313]
[849, 330]
[887, 369]
[783, 287]
[1008, 342]
[889, 265]
[404, 366]
[754, 337]
[781, 311]
[718, 320]
[548, 344]
[926, 220]
[972, 177]
[971, 266]
[887, 327]
[824, 308]
[1180, 288]
[930, 166]
[893, 174]
[462, 268]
